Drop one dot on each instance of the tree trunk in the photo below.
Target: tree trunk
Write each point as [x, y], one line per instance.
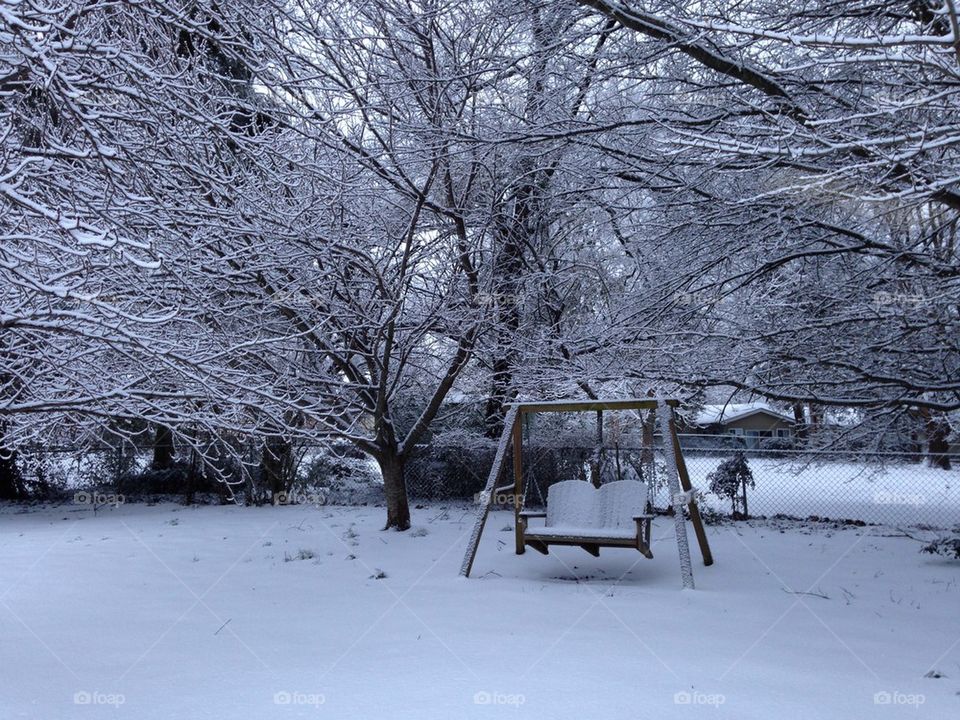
[799, 421]
[274, 463]
[938, 448]
[11, 483]
[816, 420]
[501, 391]
[392, 468]
[162, 448]
[191, 480]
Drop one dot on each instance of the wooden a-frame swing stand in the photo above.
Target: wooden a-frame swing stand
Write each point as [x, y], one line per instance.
[678, 483]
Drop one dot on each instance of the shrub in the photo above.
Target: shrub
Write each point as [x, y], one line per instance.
[730, 480]
[947, 546]
[33, 475]
[329, 477]
[776, 445]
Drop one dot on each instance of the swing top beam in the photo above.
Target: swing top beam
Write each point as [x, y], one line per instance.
[544, 406]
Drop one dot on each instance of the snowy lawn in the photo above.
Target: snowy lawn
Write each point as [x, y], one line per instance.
[296, 612]
[897, 492]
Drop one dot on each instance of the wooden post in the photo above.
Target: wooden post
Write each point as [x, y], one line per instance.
[692, 508]
[518, 480]
[485, 498]
[676, 495]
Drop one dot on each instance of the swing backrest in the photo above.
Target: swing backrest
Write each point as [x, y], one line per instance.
[620, 501]
[578, 504]
[572, 503]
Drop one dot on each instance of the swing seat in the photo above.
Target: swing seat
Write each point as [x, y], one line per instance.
[579, 514]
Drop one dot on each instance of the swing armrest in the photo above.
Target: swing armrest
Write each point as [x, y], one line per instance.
[646, 516]
[525, 516]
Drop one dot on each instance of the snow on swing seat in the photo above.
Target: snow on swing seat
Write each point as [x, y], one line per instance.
[577, 509]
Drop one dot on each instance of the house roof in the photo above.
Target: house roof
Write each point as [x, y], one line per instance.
[721, 414]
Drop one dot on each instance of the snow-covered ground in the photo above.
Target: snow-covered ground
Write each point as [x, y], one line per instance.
[299, 612]
[898, 493]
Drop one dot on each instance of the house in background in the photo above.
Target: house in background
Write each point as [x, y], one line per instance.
[754, 422]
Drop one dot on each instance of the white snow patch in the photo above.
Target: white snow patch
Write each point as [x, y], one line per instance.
[123, 615]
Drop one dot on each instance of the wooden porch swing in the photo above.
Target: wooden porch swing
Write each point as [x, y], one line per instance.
[580, 514]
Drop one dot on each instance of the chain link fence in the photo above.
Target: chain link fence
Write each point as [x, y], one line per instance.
[213, 470]
[899, 489]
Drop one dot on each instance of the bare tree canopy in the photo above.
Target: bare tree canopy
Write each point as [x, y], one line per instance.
[323, 220]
